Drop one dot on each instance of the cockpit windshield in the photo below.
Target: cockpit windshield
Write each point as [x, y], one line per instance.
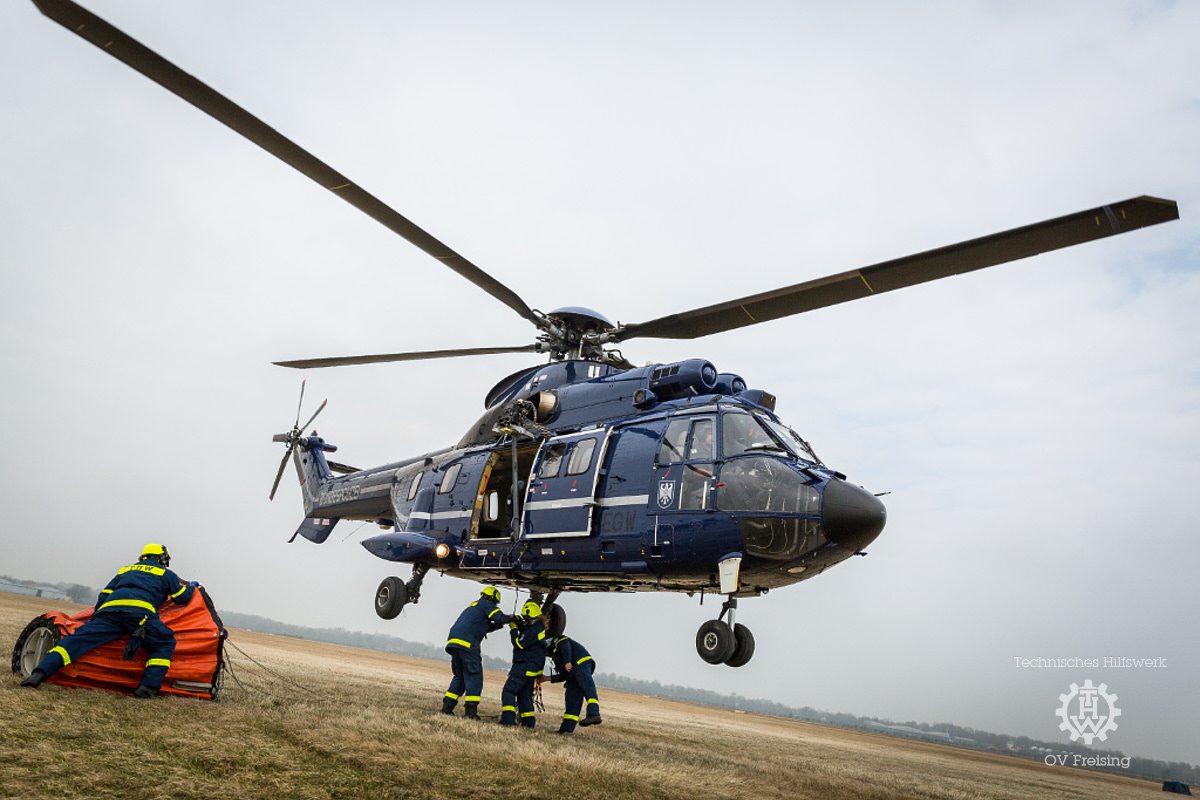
[792, 440]
[742, 432]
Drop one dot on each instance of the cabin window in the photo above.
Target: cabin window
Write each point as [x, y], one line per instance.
[416, 484]
[449, 479]
[552, 461]
[581, 457]
[493, 506]
[673, 443]
[765, 484]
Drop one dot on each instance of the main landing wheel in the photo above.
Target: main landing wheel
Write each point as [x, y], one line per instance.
[390, 597]
[715, 642]
[743, 649]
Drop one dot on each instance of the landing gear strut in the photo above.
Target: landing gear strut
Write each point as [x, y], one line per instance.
[393, 594]
[723, 640]
[556, 613]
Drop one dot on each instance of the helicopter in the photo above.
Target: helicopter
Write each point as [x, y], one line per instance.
[587, 473]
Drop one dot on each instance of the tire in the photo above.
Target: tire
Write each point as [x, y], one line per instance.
[743, 649]
[33, 643]
[558, 619]
[390, 597]
[715, 642]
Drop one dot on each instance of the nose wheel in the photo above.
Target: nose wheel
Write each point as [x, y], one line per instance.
[724, 641]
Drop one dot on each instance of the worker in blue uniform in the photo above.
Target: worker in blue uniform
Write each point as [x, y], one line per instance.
[128, 605]
[529, 658]
[466, 637]
[574, 665]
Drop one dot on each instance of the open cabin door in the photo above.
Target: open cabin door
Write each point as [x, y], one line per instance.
[562, 486]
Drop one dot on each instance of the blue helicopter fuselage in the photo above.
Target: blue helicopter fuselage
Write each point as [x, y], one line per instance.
[625, 480]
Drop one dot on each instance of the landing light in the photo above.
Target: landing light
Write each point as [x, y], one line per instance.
[441, 550]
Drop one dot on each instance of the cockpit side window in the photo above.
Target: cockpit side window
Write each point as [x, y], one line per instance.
[674, 441]
[701, 446]
[742, 433]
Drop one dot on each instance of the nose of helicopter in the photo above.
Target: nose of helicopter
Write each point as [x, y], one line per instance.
[851, 515]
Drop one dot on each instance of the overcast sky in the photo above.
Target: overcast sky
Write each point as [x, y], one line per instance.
[1037, 424]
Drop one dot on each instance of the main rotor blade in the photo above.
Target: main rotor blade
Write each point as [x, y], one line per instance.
[341, 361]
[125, 48]
[955, 259]
[279, 474]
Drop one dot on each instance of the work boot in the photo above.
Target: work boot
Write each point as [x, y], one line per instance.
[144, 692]
[35, 679]
[564, 729]
[592, 720]
[471, 710]
[448, 706]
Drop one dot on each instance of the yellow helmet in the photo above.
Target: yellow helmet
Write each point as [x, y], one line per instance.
[491, 593]
[154, 550]
[531, 610]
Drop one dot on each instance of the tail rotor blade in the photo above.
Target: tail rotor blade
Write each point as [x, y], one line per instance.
[320, 408]
[300, 405]
[278, 475]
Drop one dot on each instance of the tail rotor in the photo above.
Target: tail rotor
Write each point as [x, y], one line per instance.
[293, 437]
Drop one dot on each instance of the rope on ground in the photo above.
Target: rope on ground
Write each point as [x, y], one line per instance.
[247, 687]
[268, 670]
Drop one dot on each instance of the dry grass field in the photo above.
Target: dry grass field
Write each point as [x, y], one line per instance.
[366, 724]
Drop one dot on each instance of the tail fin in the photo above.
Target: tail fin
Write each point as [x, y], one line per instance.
[311, 466]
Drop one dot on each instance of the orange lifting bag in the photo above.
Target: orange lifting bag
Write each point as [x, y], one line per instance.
[196, 666]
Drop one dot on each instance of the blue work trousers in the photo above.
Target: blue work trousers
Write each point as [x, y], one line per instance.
[467, 683]
[580, 687]
[101, 629]
[516, 698]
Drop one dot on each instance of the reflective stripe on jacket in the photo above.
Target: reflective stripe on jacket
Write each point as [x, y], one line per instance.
[143, 587]
[475, 622]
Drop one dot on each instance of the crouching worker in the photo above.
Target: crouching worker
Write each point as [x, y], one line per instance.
[127, 605]
[574, 665]
[529, 657]
[466, 637]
